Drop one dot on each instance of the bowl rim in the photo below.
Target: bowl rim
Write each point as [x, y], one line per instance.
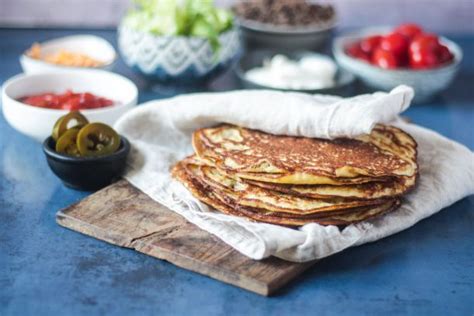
[340, 41]
[240, 72]
[122, 25]
[121, 152]
[275, 29]
[78, 37]
[23, 76]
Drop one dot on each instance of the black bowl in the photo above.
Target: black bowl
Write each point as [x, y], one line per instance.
[343, 82]
[87, 173]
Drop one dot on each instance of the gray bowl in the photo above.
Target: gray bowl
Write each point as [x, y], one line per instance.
[344, 79]
[426, 83]
[261, 35]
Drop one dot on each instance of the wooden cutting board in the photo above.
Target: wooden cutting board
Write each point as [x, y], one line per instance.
[122, 215]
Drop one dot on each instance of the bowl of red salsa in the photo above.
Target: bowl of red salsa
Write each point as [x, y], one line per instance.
[32, 103]
[68, 100]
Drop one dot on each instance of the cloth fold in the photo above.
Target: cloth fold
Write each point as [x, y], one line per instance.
[160, 133]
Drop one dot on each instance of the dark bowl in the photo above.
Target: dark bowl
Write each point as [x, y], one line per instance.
[263, 35]
[343, 82]
[87, 173]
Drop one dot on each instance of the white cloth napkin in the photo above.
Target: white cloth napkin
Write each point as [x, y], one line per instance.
[160, 133]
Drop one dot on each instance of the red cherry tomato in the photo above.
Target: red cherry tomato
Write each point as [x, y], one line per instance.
[369, 44]
[407, 45]
[356, 51]
[384, 59]
[424, 42]
[409, 30]
[445, 54]
[425, 52]
[423, 60]
[397, 44]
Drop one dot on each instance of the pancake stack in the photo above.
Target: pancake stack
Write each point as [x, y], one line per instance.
[293, 181]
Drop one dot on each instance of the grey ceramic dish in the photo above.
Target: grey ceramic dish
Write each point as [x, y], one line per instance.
[259, 35]
[344, 79]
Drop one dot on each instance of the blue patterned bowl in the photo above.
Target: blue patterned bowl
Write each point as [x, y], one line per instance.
[177, 59]
[426, 83]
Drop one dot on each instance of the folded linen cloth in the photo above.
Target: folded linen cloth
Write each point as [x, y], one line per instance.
[160, 133]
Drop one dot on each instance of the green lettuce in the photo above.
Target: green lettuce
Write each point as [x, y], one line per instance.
[187, 18]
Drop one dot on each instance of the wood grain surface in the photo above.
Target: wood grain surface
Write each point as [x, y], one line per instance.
[124, 216]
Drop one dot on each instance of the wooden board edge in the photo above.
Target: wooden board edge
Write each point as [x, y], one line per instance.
[276, 285]
[184, 262]
[188, 263]
[87, 229]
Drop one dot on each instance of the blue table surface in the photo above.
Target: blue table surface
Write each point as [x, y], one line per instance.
[46, 269]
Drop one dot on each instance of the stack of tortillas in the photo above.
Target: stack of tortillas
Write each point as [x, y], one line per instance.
[293, 181]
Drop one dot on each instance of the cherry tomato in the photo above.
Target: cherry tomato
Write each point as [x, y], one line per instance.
[356, 51]
[384, 59]
[397, 44]
[425, 52]
[424, 42]
[444, 54]
[369, 44]
[407, 45]
[423, 60]
[409, 30]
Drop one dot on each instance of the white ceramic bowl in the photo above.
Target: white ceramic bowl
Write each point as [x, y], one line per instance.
[38, 122]
[93, 46]
[426, 83]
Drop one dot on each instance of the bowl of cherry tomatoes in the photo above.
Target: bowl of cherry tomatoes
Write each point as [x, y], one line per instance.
[384, 58]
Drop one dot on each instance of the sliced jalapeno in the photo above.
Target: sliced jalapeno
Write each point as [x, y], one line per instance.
[97, 139]
[71, 120]
[67, 143]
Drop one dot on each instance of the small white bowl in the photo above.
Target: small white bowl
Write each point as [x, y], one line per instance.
[426, 83]
[90, 45]
[38, 122]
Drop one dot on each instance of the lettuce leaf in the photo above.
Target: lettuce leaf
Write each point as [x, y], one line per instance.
[186, 17]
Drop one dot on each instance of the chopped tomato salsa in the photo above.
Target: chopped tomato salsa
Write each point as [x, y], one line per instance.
[67, 101]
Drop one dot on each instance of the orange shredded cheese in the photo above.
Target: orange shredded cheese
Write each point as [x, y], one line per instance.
[64, 57]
